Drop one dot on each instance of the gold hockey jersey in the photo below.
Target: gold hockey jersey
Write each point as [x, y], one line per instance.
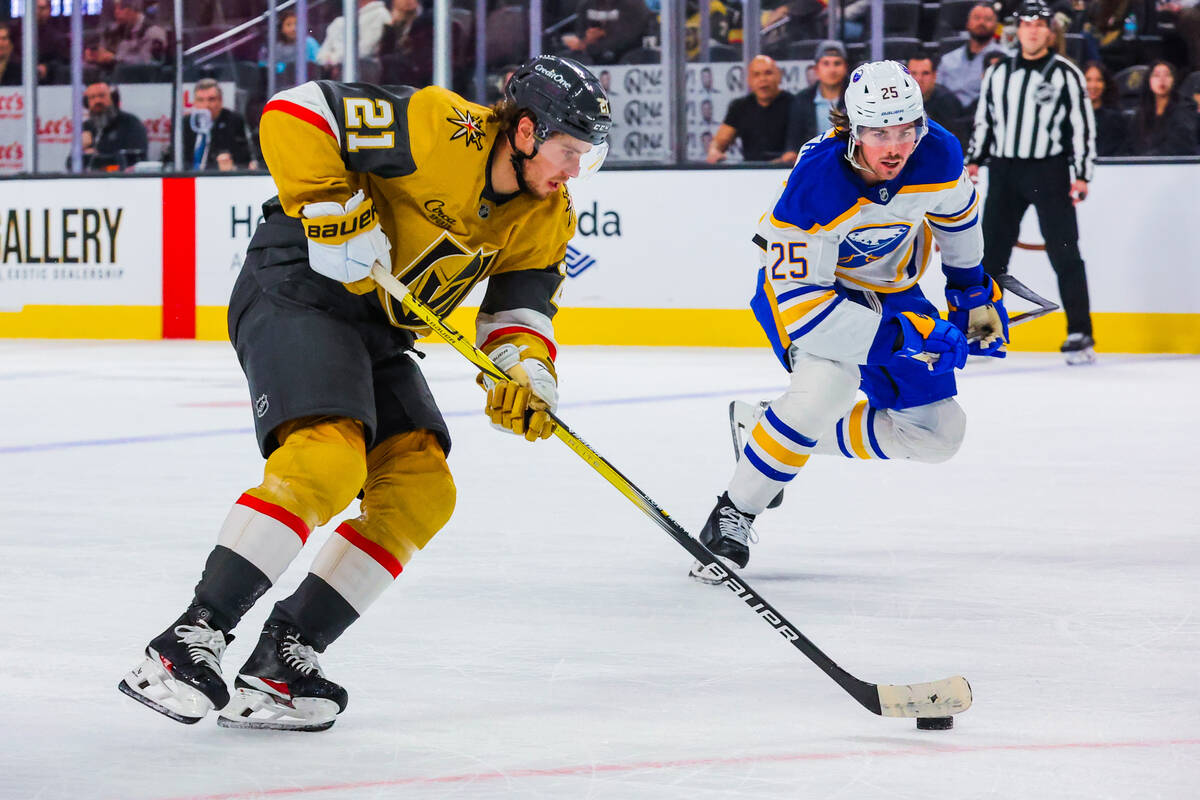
[422, 157]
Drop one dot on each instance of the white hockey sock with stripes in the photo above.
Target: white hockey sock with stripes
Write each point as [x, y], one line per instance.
[265, 534]
[773, 454]
[931, 433]
[355, 567]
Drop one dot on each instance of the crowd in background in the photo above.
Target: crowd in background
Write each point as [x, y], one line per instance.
[1141, 60]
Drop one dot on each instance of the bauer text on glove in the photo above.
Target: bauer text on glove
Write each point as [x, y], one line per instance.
[345, 241]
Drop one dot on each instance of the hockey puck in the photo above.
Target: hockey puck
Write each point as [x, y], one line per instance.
[935, 723]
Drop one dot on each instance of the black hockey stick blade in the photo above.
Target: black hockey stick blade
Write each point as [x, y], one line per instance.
[1010, 284]
[935, 699]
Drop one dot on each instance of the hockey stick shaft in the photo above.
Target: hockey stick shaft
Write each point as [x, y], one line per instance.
[938, 698]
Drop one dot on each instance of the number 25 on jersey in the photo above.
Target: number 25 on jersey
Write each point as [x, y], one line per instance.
[796, 267]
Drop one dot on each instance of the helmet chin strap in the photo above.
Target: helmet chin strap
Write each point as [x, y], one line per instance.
[519, 159]
[854, 161]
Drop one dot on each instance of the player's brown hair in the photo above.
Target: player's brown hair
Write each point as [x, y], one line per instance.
[841, 123]
[506, 114]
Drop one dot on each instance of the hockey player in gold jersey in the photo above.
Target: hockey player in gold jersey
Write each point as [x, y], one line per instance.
[449, 194]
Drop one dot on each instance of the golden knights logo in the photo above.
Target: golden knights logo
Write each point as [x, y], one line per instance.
[603, 103]
[441, 278]
[468, 127]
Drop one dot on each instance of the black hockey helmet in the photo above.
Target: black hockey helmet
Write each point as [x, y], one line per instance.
[1034, 9]
[563, 96]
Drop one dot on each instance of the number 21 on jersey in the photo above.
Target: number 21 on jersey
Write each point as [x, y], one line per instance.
[363, 112]
[796, 267]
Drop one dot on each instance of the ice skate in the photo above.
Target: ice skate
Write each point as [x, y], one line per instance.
[728, 535]
[181, 674]
[742, 418]
[281, 687]
[1078, 349]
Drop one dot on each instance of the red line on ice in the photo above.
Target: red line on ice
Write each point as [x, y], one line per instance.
[592, 769]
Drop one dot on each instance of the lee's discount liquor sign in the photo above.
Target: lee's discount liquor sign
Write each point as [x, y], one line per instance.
[149, 102]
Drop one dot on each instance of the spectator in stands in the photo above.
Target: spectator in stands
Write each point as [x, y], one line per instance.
[961, 70]
[53, 43]
[1165, 123]
[134, 40]
[10, 68]
[809, 113]
[112, 139]
[1191, 88]
[373, 16]
[1112, 129]
[941, 104]
[406, 46]
[607, 29]
[1186, 15]
[285, 44]
[759, 119]
[219, 142]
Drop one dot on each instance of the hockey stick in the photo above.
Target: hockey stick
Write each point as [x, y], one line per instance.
[934, 699]
[1010, 284]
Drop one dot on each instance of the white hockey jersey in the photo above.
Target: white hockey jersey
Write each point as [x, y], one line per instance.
[837, 254]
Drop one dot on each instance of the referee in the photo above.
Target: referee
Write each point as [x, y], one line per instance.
[1035, 123]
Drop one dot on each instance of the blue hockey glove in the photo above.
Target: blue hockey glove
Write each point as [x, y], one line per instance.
[936, 342]
[979, 313]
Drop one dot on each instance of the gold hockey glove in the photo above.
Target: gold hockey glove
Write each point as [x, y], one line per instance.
[519, 405]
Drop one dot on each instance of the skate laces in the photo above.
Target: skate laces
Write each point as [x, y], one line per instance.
[734, 525]
[300, 656]
[204, 645]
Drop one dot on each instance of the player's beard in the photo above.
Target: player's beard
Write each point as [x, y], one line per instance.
[982, 38]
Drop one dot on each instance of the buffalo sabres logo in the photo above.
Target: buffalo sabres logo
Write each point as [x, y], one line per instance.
[441, 277]
[870, 243]
[468, 127]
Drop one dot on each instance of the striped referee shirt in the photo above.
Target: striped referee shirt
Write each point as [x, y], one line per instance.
[1034, 109]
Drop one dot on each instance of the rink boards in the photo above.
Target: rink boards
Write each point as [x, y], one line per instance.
[661, 257]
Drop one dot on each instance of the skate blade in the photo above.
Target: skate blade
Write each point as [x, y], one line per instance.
[1081, 358]
[250, 709]
[151, 685]
[706, 574]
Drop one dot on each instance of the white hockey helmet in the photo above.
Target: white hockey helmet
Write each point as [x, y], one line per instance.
[881, 94]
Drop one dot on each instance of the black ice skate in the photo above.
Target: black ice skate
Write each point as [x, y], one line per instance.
[181, 674]
[1078, 349]
[281, 687]
[728, 535]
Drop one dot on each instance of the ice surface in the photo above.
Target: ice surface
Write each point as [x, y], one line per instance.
[547, 643]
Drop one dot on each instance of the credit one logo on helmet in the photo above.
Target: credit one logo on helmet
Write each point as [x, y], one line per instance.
[553, 75]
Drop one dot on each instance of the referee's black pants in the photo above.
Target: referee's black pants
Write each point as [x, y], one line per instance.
[1014, 184]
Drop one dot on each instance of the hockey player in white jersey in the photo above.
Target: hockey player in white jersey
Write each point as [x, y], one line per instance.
[843, 246]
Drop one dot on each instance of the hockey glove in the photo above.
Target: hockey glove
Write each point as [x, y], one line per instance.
[345, 241]
[936, 342]
[979, 313]
[519, 405]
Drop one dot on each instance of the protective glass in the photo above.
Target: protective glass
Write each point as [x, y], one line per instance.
[577, 159]
[894, 135]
